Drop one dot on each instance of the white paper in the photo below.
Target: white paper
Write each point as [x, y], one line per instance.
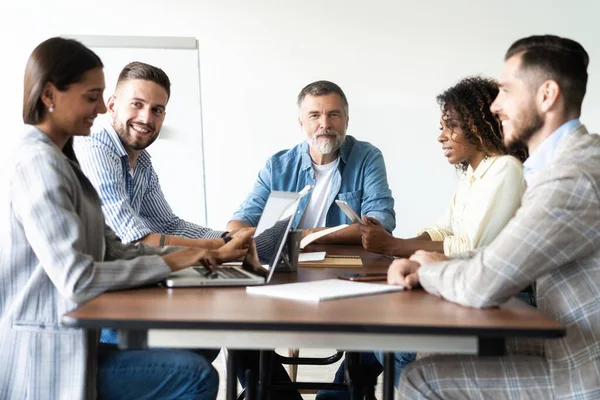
[316, 235]
[316, 256]
[321, 290]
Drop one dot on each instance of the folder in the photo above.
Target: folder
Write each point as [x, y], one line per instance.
[321, 290]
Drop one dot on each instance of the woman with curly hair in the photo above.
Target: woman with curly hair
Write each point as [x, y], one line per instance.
[488, 194]
[490, 189]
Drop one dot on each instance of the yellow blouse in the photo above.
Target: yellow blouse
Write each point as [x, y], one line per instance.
[485, 200]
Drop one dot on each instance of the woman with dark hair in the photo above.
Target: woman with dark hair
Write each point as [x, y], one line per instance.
[488, 194]
[56, 252]
[491, 186]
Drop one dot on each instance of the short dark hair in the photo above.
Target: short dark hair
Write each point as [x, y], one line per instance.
[59, 61]
[470, 100]
[321, 88]
[563, 60]
[147, 72]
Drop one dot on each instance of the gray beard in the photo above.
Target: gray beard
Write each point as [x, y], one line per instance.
[326, 146]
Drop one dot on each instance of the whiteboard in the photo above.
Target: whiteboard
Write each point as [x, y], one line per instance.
[177, 154]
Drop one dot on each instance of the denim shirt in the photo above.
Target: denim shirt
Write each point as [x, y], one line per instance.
[360, 180]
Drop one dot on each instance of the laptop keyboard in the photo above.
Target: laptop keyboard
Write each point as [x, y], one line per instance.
[223, 273]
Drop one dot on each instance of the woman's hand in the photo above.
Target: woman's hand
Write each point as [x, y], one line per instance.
[374, 237]
[235, 249]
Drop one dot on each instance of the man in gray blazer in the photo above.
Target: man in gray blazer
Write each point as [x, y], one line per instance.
[553, 243]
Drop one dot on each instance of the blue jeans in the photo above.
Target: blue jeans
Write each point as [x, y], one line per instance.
[401, 360]
[371, 365]
[155, 374]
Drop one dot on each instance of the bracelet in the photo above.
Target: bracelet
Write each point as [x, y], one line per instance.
[227, 239]
[162, 240]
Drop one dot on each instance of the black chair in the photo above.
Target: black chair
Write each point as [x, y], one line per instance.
[359, 383]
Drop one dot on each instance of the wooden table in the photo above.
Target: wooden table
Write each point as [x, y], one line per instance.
[411, 321]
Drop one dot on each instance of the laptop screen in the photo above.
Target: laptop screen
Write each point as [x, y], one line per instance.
[271, 232]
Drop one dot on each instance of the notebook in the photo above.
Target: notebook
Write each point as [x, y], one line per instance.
[322, 290]
[334, 262]
[259, 264]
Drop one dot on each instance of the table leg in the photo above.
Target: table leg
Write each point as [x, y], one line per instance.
[353, 376]
[231, 385]
[250, 385]
[264, 380]
[388, 376]
[132, 339]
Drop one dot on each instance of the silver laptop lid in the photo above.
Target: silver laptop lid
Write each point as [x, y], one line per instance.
[271, 233]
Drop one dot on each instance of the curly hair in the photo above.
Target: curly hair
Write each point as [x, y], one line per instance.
[469, 102]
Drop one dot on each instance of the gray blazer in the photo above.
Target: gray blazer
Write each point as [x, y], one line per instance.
[55, 253]
[554, 241]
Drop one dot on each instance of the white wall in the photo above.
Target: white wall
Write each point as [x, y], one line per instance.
[391, 57]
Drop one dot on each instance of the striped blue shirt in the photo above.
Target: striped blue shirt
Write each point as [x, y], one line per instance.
[132, 200]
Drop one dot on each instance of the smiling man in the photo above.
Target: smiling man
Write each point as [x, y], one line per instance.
[114, 158]
[338, 166]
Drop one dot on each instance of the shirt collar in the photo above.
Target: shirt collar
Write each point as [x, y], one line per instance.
[343, 156]
[545, 152]
[482, 168]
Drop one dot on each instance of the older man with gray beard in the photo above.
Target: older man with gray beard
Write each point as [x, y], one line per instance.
[338, 166]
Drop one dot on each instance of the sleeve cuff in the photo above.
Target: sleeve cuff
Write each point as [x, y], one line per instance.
[435, 235]
[428, 276]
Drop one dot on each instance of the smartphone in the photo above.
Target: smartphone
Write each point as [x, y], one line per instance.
[365, 277]
[350, 213]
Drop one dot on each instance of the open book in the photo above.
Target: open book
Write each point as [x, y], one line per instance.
[317, 235]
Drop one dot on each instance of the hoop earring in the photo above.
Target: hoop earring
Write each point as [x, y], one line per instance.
[51, 108]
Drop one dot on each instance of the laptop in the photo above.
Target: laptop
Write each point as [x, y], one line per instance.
[259, 263]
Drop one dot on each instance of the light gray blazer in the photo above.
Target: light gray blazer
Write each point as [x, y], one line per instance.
[554, 241]
[55, 253]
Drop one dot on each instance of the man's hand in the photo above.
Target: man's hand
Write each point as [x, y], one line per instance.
[374, 237]
[236, 247]
[428, 257]
[403, 272]
[241, 231]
